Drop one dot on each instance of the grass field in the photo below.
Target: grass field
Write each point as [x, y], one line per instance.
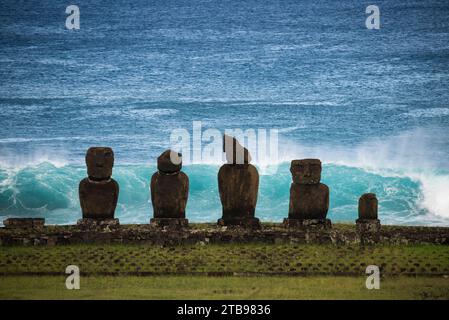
[226, 259]
[201, 287]
[226, 271]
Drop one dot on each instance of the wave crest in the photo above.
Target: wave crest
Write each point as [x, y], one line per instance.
[52, 192]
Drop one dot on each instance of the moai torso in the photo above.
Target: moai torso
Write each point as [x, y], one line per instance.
[169, 193]
[309, 199]
[368, 205]
[99, 192]
[238, 183]
[238, 186]
[98, 198]
[169, 188]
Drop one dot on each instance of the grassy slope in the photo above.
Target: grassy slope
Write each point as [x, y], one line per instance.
[19, 266]
[200, 287]
[423, 260]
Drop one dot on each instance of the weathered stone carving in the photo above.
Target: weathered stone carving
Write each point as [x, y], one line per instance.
[238, 184]
[368, 221]
[309, 199]
[306, 171]
[368, 205]
[169, 191]
[98, 192]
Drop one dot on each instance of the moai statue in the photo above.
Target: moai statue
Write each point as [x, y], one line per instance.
[238, 184]
[309, 199]
[98, 192]
[169, 191]
[368, 220]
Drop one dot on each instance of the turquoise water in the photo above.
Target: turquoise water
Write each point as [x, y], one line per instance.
[49, 191]
[372, 104]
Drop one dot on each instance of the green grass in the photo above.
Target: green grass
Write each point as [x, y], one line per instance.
[200, 287]
[187, 271]
[226, 259]
[273, 226]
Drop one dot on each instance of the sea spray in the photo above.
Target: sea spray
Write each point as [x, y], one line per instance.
[51, 192]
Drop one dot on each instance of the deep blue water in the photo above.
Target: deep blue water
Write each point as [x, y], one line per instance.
[372, 104]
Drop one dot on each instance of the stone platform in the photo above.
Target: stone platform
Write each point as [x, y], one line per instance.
[322, 224]
[113, 232]
[249, 223]
[169, 222]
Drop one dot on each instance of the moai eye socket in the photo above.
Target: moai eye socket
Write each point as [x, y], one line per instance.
[108, 154]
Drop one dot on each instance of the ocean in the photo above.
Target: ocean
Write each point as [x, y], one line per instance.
[371, 104]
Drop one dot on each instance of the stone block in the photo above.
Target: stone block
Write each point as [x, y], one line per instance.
[170, 222]
[317, 224]
[24, 223]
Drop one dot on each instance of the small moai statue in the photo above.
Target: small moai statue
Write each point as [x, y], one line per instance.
[169, 191]
[98, 192]
[309, 199]
[238, 185]
[368, 218]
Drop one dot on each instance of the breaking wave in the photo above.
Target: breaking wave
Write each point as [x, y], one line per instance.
[52, 192]
[412, 187]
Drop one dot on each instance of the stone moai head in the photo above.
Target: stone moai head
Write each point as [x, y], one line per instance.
[99, 161]
[169, 162]
[306, 171]
[235, 152]
[368, 206]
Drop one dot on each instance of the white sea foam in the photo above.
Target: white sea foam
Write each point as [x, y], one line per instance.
[130, 113]
[428, 113]
[293, 128]
[24, 140]
[151, 113]
[15, 162]
[435, 190]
